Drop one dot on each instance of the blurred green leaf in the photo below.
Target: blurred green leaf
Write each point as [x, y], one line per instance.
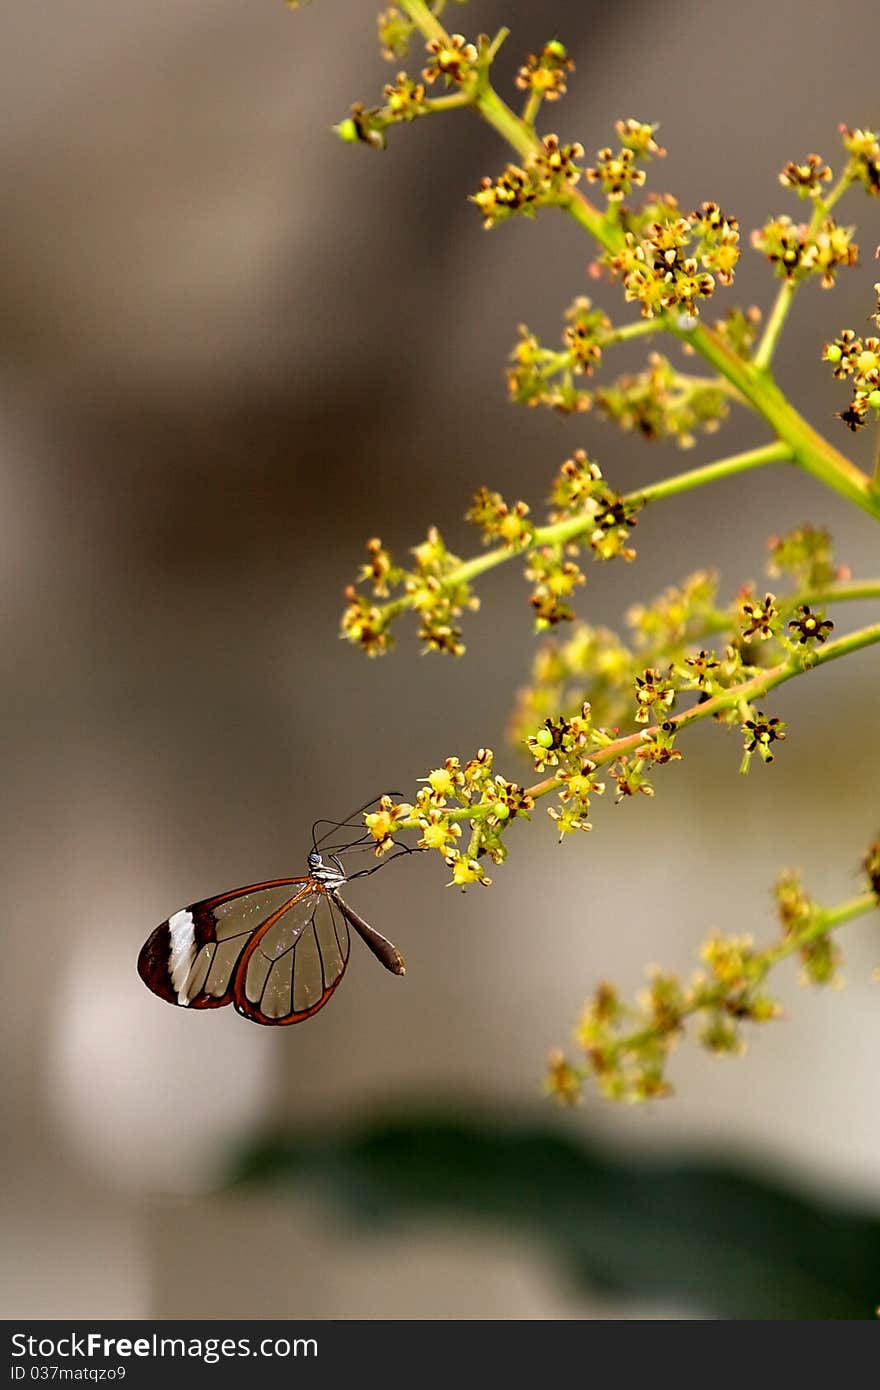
[723, 1242]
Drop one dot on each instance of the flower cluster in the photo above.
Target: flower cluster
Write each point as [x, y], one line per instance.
[760, 733]
[806, 557]
[662, 403]
[540, 376]
[562, 744]
[385, 821]
[638, 137]
[498, 521]
[685, 641]
[594, 663]
[576, 745]
[680, 615]
[454, 793]
[675, 261]
[579, 491]
[655, 694]
[366, 624]
[491, 803]
[395, 33]
[544, 75]
[602, 522]
[544, 178]
[554, 579]
[625, 1048]
[659, 401]
[798, 251]
[806, 179]
[687, 656]
[405, 99]
[798, 913]
[585, 513]
[618, 174]
[739, 329]
[859, 359]
[534, 377]
[452, 59]
[863, 147]
[807, 627]
[585, 329]
[759, 617]
[433, 589]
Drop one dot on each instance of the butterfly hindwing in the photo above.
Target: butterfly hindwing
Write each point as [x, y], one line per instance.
[292, 965]
[277, 948]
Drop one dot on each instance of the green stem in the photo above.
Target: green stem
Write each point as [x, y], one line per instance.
[788, 290]
[843, 592]
[641, 328]
[560, 532]
[826, 920]
[511, 127]
[775, 322]
[712, 472]
[588, 216]
[814, 453]
[425, 20]
[531, 108]
[453, 102]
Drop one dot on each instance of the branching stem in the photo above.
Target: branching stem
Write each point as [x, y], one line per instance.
[752, 380]
[742, 694]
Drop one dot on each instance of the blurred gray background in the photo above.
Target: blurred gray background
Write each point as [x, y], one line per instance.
[234, 349]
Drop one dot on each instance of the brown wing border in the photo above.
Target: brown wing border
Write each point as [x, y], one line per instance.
[155, 954]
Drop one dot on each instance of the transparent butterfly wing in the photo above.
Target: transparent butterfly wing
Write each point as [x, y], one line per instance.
[276, 949]
[292, 965]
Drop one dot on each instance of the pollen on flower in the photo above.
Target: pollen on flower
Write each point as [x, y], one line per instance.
[451, 59]
[545, 73]
[445, 781]
[405, 99]
[806, 179]
[465, 871]
[383, 822]
[760, 617]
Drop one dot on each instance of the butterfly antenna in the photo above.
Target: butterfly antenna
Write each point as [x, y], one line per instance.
[348, 822]
[401, 849]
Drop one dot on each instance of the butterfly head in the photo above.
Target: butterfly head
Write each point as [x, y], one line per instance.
[331, 875]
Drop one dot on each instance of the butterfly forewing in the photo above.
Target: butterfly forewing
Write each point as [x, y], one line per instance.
[277, 948]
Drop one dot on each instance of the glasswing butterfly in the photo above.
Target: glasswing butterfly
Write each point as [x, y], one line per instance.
[276, 950]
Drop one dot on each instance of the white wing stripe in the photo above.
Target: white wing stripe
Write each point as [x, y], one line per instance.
[183, 951]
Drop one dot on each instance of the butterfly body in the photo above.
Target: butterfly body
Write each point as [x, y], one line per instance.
[275, 950]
